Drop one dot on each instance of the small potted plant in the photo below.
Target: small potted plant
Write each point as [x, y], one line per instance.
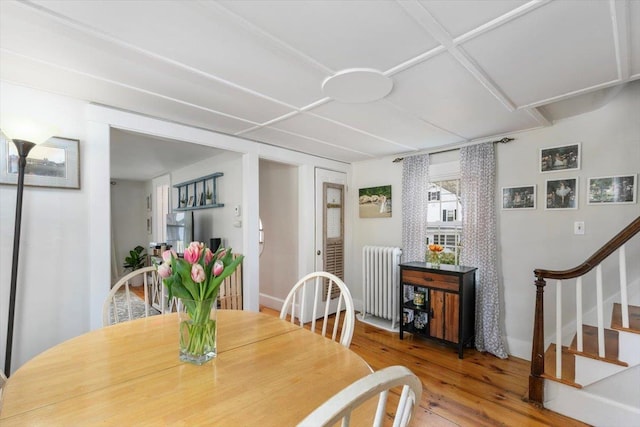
[209, 196]
[135, 260]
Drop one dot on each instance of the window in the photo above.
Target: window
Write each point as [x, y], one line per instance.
[444, 219]
[449, 215]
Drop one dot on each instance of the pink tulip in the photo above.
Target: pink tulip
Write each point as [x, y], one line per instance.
[221, 254]
[164, 270]
[197, 273]
[192, 253]
[166, 255]
[208, 256]
[218, 268]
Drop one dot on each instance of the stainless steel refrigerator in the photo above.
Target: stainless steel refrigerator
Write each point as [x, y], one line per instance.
[179, 230]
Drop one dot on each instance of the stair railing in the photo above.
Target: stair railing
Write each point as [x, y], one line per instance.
[536, 380]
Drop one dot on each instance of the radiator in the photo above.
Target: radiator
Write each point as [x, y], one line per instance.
[380, 281]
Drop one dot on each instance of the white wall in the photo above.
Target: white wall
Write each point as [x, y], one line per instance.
[539, 238]
[279, 213]
[52, 298]
[216, 222]
[128, 219]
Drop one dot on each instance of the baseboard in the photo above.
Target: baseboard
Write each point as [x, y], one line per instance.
[519, 348]
[271, 302]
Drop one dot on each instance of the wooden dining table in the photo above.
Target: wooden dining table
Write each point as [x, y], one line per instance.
[268, 372]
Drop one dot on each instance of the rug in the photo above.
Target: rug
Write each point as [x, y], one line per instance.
[137, 307]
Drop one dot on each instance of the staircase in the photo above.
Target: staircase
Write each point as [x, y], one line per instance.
[596, 376]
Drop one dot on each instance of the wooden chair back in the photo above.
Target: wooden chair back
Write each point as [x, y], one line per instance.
[230, 294]
[313, 299]
[110, 313]
[341, 405]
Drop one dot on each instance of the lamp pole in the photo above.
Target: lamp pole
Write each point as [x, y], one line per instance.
[23, 148]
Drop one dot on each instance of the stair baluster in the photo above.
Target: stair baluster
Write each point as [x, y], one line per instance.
[623, 287]
[580, 344]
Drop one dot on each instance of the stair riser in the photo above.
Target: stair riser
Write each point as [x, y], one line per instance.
[589, 408]
[629, 350]
[588, 370]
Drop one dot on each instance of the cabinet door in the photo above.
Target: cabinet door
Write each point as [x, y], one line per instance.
[451, 317]
[436, 323]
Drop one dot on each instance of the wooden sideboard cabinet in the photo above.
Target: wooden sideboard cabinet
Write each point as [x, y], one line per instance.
[438, 303]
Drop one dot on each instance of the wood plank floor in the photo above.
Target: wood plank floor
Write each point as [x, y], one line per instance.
[479, 390]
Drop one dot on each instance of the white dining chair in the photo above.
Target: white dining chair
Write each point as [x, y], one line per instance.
[121, 302]
[315, 298]
[340, 406]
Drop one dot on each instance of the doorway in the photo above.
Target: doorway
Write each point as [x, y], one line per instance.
[279, 206]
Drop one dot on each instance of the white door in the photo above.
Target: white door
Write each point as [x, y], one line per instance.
[330, 198]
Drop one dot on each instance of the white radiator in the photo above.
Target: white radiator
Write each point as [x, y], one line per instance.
[380, 281]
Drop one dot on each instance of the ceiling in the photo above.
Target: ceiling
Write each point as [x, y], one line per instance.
[462, 71]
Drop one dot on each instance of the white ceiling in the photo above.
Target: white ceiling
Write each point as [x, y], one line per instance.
[462, 71]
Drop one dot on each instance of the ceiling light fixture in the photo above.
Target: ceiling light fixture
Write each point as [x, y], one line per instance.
[357, 85]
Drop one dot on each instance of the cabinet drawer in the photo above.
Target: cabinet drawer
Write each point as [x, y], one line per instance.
[432, 280]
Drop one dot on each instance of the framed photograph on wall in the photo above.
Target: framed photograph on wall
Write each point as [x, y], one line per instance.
[55, 163]
[522, 197]
[375, 202]
[609, 190]
[561, 193]
[560, 158]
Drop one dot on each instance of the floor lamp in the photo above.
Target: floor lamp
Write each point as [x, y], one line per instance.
[23, 147]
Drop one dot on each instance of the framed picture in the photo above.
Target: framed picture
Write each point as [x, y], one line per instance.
[609, 190]
[55, 163]
[561, 158]
[523, 197]
[375, 202]
[562, 193]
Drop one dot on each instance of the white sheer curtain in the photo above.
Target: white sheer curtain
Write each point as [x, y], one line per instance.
[479, 242]
[415, 180]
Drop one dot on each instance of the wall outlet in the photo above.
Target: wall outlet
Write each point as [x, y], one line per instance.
[578, 227]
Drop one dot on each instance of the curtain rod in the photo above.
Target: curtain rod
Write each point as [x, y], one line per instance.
[499, 141]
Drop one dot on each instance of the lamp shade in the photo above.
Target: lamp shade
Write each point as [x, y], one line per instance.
[16, 127]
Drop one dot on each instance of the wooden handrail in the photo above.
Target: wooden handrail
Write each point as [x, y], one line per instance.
[536, 382]
[594, 260]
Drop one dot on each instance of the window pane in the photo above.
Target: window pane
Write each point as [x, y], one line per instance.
[444, 224]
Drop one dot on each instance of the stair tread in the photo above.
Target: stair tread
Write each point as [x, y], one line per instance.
[634, 318]
[568, 366]
[590, 345]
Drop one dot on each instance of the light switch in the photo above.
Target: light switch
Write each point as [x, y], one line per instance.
[578, 227]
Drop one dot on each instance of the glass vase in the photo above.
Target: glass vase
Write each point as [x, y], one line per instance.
[198, 330]
[434, 259]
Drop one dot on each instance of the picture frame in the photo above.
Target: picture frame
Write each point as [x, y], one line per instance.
[612, 190]
[375, 202]
[519, 198]
[54, 163]
[560, 158]
[561, 193]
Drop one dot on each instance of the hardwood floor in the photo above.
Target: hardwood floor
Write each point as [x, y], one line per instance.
[479, 390]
